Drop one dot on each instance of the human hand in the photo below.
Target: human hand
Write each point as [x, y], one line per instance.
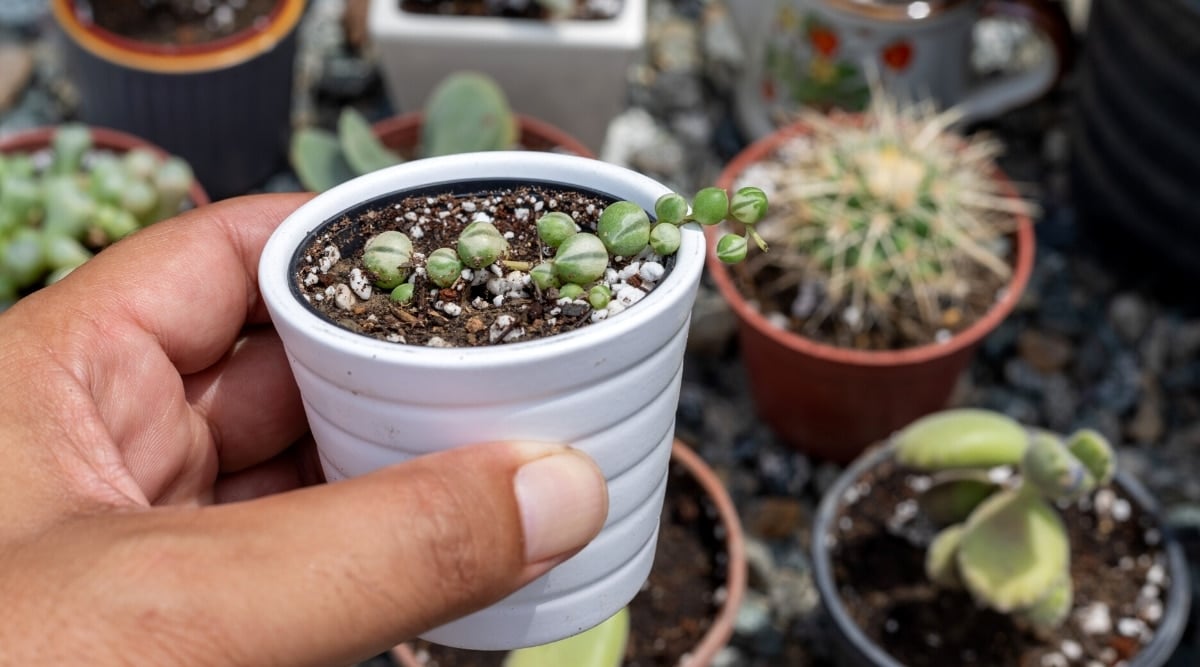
[151, 501]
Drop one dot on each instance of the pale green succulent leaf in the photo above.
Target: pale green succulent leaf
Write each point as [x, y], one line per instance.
[467, 112]
[960, 438]
[601, 646]
[952, 498]
[941, 559]
[1014, 547]
[1054, 470]
[1095, 452]
[317, 157]
[362, 149]
[1055, 605]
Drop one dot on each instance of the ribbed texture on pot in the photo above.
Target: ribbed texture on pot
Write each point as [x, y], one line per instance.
[230, 124]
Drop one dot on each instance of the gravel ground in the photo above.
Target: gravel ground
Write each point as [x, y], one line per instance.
[1095, 341]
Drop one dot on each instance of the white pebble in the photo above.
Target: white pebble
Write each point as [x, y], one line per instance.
[343, 297]
[498, 301]
[1103, 501]
[311, 279]
[394, 338]
[1150, 611]
[629, 271]
[484, 217]
[1130, 627]
[479, 303]
[452, 309]
[521, 214]
[1156, 574]
[498, 286]
[417, 232]
[360, 284]
[629, 295]
[1071, 649]
[1054, 660]
[652, 272]
[1121, 510]
[437, 342]
[1094, 619]
[329, 256]
[468, 206]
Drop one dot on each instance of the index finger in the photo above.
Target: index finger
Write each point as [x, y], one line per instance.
[190, 282]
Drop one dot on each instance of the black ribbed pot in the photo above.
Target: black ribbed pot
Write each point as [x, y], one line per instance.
[224, 106]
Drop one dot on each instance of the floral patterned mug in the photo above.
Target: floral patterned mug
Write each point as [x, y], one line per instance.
[821, 53]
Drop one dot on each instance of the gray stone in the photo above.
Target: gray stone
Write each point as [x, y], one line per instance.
[1021, 375]
[1121, 387]
[1045, 352]
[1060, 401]
[346, 76]
[1129, 315]
[754, 616]
[794, 596]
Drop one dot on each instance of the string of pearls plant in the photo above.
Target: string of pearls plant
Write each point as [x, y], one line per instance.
[580, 258]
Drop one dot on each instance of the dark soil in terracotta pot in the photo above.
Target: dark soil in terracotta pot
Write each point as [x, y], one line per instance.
[178, 22]
[526, 9]
[680, 599]
[491, 305]
[1117, 565]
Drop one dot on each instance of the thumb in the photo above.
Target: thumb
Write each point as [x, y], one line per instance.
[336, 573]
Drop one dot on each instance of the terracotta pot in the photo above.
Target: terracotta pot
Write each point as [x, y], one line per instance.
[857, 650]
[224, 106]
[735, 550]
[831, 402]
[402, 133]
[36, 139]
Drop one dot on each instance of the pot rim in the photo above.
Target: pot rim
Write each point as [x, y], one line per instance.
[103, 138]
[1022, 269]
[721, 630]
[527, 125]
[275, 265]
[218, 54]
[1166, 636]
[622, 32]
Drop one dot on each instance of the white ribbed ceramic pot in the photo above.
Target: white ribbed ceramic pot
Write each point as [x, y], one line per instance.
[609, 389]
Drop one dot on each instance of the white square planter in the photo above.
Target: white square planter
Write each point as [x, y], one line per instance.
[570, 73]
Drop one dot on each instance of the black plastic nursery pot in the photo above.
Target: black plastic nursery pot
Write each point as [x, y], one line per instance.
[856, 648]
[222, 105]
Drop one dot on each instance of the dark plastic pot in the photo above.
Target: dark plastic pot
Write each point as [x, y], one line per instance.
[223, 106]
[735, 552]
[856, 649]
[832, 402]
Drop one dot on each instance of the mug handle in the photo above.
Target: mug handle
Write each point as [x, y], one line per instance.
[1018, 88]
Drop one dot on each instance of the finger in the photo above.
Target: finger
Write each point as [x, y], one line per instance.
[338, 572]
[296, 467]
[250, 401]
[189, 282]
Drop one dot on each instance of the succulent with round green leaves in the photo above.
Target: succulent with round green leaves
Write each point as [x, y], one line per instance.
[554, 228]
[466, 112]
[624, 228]
[665, 239]
[444, 267]
[599, 296]
[582, 258]
[1003, 541]
[388, 258]
[481, 244]
[543, 276]
[403, 293]
[570, 291]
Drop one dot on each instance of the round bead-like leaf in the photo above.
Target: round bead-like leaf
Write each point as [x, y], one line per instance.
[731, 249]
[671, 207]
[665, 238]
[388, 256]
[403, 293]
[599, 296]
[554, 228]
[710, 206]
[481, 244]
[543, 276]
[749, 205]
[582, 258]
[443, 267]
[624, 228]
[570, 291]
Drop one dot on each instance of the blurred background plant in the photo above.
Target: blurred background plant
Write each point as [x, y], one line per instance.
[466, 112]
[61, 205]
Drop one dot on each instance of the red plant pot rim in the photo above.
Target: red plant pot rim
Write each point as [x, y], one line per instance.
[170, 59]
[735, 548]
[28, 141]
[1023, 267]
[410, 123]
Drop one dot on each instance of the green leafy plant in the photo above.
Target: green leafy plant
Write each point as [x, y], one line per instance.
[581, 259]
[467, 112]
[1004, 542]
[886, 212]
[601, 646]
[56, 210]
